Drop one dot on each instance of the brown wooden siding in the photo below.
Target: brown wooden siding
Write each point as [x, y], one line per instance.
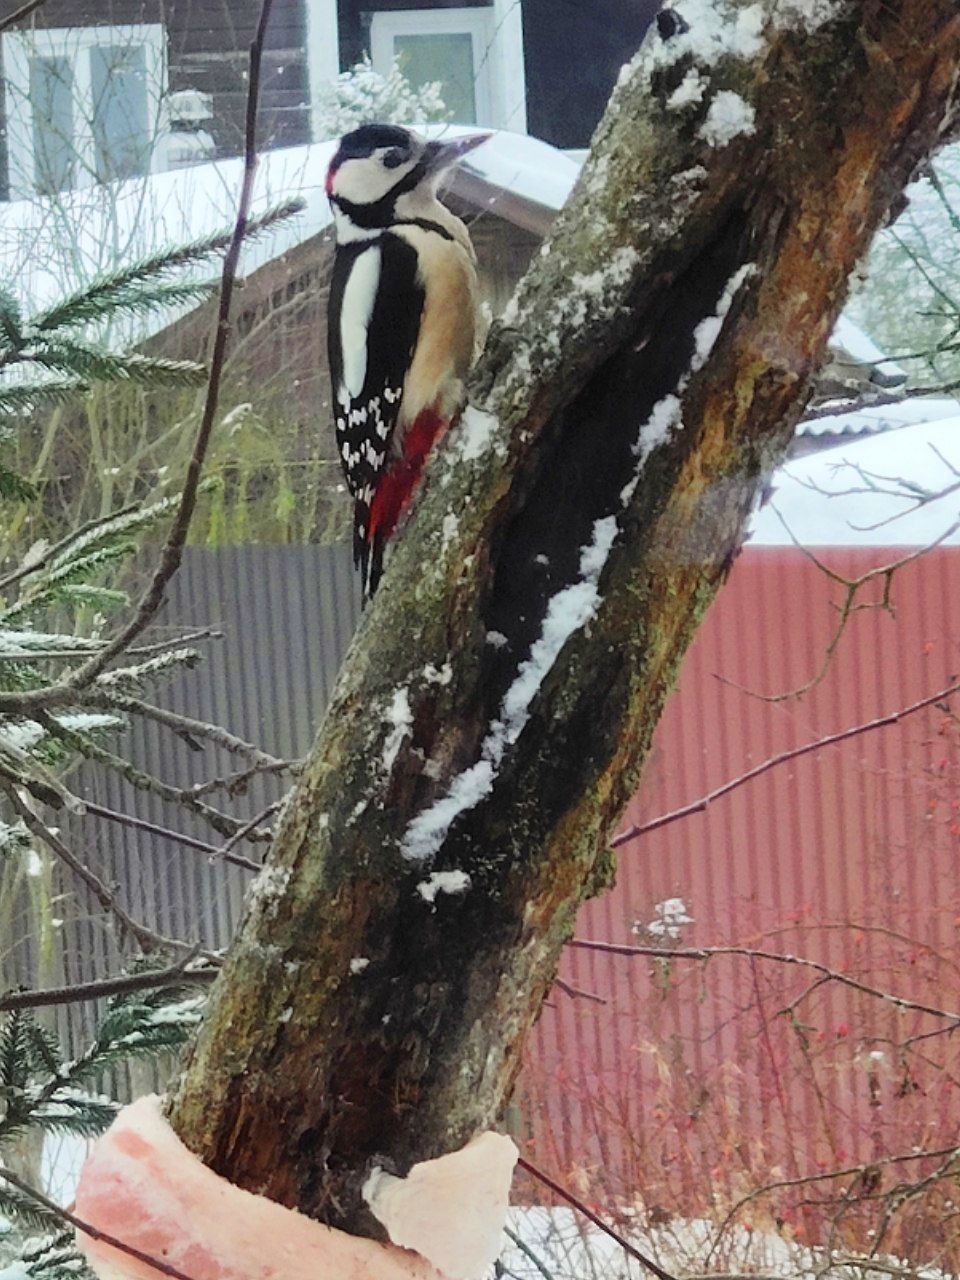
[208, 47]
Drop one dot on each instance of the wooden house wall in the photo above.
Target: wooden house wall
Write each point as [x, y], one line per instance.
[207, 46]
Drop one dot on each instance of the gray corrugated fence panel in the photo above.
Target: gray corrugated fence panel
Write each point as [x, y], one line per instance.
[287, 614]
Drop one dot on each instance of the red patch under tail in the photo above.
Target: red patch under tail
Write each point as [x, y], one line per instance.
[398, 485]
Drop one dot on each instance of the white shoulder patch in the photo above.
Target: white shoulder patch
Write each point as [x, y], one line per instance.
[356, 311]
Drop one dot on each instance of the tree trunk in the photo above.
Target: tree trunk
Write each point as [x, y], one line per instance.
[495, 708]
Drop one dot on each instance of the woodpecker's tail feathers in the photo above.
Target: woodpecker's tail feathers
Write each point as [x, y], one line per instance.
[367, 550]
[368, 558]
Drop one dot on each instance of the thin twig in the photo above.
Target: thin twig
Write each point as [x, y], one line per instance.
[101, 988]
[597, 1221]
[236, 783]
[146, 938]
[18, 15]
[528, 1253]
[187, 725]
[847, 609]
[827, 1175]
[212, 851]
[84, 745]
[88, 1229]
[576, 993]
[698, 806]
[246, 831]
[752, 953]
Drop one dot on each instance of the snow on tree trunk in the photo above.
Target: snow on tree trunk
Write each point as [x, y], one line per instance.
[495, 708]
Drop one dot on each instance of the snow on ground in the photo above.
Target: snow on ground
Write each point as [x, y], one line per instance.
[572, 1249]
[555, 1242]
[869, 492]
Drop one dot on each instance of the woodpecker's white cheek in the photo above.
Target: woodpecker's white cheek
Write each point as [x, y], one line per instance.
[366, 180]
[355, 313]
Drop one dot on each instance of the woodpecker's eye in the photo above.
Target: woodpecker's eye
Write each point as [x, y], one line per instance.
[394, 157]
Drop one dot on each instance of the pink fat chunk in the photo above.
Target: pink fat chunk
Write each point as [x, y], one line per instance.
[141, 1185]
[451, 1209]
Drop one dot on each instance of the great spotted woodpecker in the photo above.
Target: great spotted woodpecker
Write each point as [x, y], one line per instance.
[401, 320]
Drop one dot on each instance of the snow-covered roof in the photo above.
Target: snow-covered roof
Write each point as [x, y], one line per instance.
[871, 420]
[858, 344]
[48, 248]
[870, 492]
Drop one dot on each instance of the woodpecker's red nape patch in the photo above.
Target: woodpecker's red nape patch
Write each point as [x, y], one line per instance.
[397, 486]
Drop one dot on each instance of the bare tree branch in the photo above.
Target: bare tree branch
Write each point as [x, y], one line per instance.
[71, 1220]
[146, 938]
[84, 745]
[753, 953]
[212, 851]
[251, 830]
[181, 724]
[949, 1154]
[20, 14]
[236, 783]
[123, 984]
[783, 757]
[595, 1218]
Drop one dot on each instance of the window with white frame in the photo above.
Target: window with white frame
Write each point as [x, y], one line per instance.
[83, 105]
[476, 54]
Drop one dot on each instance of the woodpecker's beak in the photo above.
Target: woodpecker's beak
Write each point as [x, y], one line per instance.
[441, 155]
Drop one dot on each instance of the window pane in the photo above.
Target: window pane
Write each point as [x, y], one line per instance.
[447, 58]
[121, 126]
[51, 98]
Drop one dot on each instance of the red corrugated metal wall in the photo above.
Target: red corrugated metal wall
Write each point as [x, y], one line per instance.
[694, 1082]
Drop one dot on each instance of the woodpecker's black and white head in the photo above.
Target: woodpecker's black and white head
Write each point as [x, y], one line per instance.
[382, 174]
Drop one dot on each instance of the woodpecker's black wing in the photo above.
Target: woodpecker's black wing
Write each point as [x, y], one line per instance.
[373, 322]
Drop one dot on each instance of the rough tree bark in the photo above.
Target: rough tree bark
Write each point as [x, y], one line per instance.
[734, 183]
